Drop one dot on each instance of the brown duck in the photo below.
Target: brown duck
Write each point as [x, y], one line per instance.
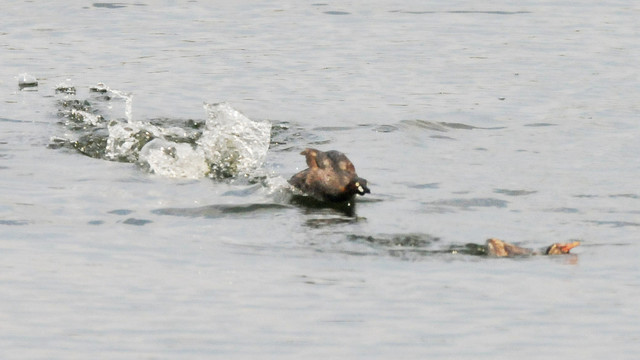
[497, 247]
[330, 177]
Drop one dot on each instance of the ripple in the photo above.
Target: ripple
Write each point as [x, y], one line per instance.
[630, 196]
[120, 212]
[490, 12]
[14, 222]
[402, 240]
[469, 203]
[385, 128]
[514, 192]
[110, 5]
[333, 128]
[444, 126]
[330, 221]
[541, 124]
[423, 186]
[411, 246]
[136, 222]
[285, 136]
[337, 12]
[614, 223]
[218, 211]
[564, 210]
[586, 196]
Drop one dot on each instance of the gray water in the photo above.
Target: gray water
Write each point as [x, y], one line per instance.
[470, 120]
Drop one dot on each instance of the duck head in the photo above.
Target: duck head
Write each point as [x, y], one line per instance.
[558, 248]
[359, 186]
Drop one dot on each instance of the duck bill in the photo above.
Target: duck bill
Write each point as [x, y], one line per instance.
[363, 190]
[565, 248]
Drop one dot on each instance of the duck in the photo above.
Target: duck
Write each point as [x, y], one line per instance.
[561, 248]
[330, 177]
[500, 248]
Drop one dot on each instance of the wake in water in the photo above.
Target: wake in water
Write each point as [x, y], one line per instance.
[226, 144]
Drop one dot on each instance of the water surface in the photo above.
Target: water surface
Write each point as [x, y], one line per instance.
[516, 121]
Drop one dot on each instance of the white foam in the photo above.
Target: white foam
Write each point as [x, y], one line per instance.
[128, 99]
[176, 160]
[125, 139]
[25, 79]
[87, 118]
[232, 142]
[228, 145]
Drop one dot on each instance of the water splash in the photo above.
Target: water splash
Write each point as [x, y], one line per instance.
[26, 81]
[125, 140]
[128, 101]
[232, 143]
[66, 87]
[226, 144]
[174, 160]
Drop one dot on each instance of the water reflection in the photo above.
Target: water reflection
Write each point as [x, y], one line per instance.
[347, 208]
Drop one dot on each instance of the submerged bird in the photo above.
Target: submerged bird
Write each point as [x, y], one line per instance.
[330, 177]
[497, 247]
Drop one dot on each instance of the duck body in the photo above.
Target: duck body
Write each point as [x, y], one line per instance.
[499, 248]
[330, 177]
